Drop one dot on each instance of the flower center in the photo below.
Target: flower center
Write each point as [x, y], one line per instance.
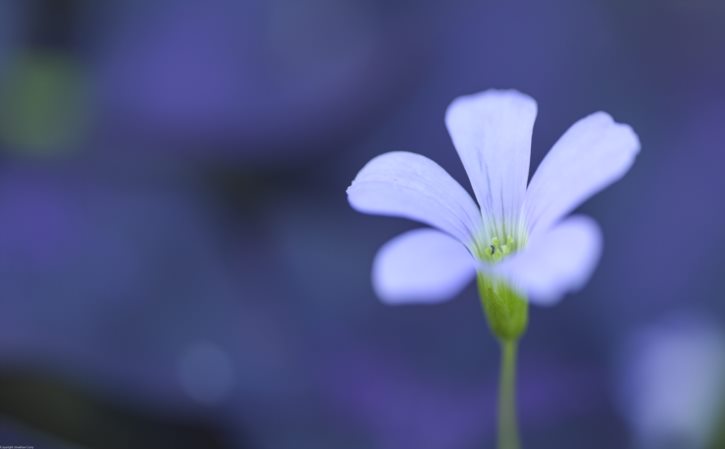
[496, 249]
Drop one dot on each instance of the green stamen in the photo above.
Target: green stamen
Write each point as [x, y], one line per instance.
[495, 250]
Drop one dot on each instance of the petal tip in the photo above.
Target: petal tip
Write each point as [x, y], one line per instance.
[626, 130]
[633, 136]
[492, 98]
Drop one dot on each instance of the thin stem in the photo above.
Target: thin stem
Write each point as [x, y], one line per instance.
[508, 428]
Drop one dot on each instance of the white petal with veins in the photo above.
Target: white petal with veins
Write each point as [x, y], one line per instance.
[492, 134]
[412, 186]
[595, 152]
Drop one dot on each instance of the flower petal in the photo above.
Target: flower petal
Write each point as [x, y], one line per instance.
[409, 185]
[595, 152]
[492, 134]
[558, 261]
[421, 266]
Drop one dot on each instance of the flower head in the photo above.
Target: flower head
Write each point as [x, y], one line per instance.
[519, 233]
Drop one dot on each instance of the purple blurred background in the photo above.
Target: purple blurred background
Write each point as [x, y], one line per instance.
[179, 266]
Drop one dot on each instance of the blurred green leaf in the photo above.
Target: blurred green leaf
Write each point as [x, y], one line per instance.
[43, 104]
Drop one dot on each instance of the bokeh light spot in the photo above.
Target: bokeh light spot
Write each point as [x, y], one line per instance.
[206, 373]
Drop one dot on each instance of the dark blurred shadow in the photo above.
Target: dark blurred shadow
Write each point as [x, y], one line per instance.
[67, 412]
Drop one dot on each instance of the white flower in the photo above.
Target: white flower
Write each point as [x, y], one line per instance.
[518, 234]
[671, 382]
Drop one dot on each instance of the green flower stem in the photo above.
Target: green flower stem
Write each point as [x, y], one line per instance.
[507, 313]
[508, 428]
